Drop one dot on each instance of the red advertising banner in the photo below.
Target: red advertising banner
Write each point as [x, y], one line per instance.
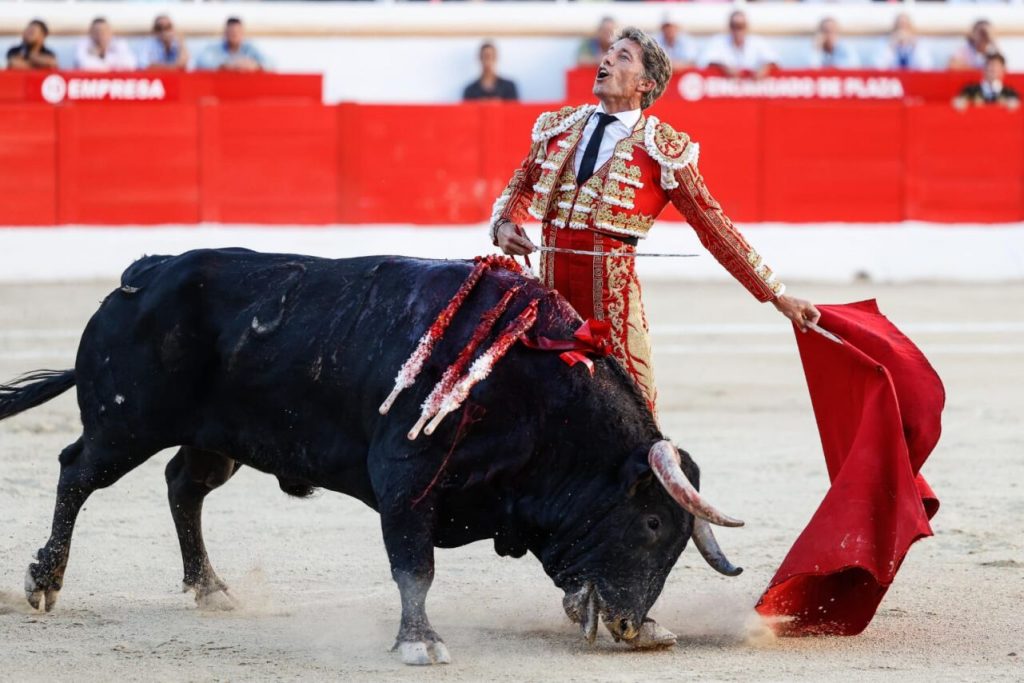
[65, 87]
[708, 84]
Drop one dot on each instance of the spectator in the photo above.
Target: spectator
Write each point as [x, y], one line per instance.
[592, 49]
[166, 49]
[234, 53]
[677, 45]
[828, 52]
[991, 89]
[976, 48]
[903, 51]
[100, 51]
[32, 53]
[736, 52]
[490, 86]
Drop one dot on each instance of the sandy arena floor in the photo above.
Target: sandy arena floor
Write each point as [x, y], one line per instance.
[312, 577]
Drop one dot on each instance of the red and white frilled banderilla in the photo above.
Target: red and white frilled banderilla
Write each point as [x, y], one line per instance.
[461, 376]
[411, 368]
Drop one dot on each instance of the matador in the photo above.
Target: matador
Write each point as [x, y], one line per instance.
[597, 177]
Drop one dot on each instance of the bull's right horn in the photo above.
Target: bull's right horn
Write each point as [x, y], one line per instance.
[664, 460]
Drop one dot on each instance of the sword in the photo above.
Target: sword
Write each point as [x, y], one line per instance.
[824, 333]
[612, 254]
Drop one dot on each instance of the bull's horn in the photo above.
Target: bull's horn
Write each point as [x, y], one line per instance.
[664, 461]
[706, 543]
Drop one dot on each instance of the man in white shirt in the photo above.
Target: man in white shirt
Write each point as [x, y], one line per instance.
[737, 53]
[679, 47]
[903, 51]
[100, 51]
[828, 51]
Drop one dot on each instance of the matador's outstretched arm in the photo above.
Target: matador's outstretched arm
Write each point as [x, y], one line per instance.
[717, 233]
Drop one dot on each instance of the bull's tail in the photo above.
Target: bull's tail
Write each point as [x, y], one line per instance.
[33, 389]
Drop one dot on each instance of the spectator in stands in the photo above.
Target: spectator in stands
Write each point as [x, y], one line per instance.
[902, 51]
[234, 53]
[677, 45]
[592, 49]
[991, 89]
[490, 86]
[32, 52]
[828, 51]
[737, 53]
[101, 51]
[974, 52]
[166, 49]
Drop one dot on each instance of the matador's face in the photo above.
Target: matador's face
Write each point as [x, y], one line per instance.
[620, 76]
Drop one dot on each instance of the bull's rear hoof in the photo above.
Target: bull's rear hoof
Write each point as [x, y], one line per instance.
[37, 595]
[423, 654]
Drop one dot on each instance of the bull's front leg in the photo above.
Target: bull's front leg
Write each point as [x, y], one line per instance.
[410, 546]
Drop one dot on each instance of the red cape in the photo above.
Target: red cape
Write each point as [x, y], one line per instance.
[877, 402]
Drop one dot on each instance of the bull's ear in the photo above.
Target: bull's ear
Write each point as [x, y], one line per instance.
[635, 473]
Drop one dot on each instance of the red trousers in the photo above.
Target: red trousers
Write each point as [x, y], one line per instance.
[605, 288]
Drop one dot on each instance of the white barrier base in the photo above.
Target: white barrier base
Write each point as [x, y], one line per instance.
[905, 252]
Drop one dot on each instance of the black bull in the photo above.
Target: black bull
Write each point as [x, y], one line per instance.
[279, 362]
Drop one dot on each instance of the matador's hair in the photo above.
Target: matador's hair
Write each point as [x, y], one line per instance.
[657, 65]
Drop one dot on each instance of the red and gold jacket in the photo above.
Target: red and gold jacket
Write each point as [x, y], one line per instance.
[651, 167]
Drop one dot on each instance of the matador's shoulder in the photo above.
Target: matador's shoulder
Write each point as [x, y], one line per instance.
[672, 149]
[552, 123]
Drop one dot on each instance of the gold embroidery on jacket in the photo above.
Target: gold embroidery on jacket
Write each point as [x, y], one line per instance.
[631, 343]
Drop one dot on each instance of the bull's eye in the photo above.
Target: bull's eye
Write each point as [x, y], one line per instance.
[653, 523]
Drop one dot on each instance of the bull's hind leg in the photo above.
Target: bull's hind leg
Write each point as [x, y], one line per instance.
[84, 468]
[191, 475]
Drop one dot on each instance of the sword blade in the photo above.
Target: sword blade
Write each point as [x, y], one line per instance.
[613, 254]
[824, 333]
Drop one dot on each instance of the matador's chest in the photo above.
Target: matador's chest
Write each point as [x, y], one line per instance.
[622, 197]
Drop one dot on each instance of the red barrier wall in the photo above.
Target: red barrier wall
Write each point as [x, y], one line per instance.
[28, 164]
[822, 167]
[293, 162]
[270, 163]
[964, 167]
[130, 163]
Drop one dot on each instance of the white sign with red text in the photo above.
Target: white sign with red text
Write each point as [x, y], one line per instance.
[695, 86]
[57, 88]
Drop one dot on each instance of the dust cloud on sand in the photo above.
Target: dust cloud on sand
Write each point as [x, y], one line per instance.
[315, 600]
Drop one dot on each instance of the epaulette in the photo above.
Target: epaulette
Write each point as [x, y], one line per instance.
[552, 123]
[670, 148]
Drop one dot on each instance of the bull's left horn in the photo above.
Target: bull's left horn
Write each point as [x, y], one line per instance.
[664, 461]
[709, 549]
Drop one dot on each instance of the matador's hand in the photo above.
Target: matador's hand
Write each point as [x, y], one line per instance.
[512, 240]
[799, 311]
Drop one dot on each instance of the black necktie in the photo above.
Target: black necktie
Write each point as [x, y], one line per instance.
[590, 153]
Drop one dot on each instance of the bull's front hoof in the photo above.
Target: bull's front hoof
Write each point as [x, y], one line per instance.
[211, 596]
[37, 592]
[652, 636]
[422, 653]
[217, 601]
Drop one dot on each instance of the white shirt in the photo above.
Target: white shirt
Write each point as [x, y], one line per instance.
[755, 53]
[915, 55]
[613, 133]
[684, 49]
[119, 57]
